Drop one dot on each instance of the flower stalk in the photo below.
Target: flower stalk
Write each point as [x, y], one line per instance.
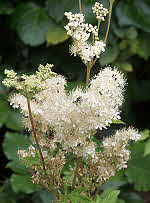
[34, 134]
[88, 76]
[80, 6]
[109, 19]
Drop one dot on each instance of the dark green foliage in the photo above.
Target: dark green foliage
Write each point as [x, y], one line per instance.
[135, 13]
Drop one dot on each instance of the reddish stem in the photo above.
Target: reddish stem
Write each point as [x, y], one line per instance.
[34, 134]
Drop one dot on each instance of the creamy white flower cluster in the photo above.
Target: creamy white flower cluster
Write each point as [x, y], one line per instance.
[100, 11]
[76, 116]
[73, 119]
[81, 33]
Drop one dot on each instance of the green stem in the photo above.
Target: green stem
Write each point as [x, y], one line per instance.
[98, 25]
[34, 134]
[109, 19]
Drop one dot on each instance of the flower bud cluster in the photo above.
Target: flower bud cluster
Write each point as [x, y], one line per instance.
[29, 85]
[100, 11]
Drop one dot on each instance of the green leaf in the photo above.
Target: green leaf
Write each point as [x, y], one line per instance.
[4, 198]
[6, 8]
[144, 134]
[147, 148]
[14, 121]
[29, 161]
[10, 117]
[22, 183]
[131, 33]
[76, 197]
[17, 167]
[127, 67]
[31, 23]
[114, 184]
[138, 172]
[118, 122]
[109, 56]
[79, 190]
[144, 46]
[136, 13]
[43, 196]
[120, 201]
[108, 196]
[56, 35]
[4, 111]
[56, 9]
[132, 197]
[13, 142]
[137, 149]
[66, 193]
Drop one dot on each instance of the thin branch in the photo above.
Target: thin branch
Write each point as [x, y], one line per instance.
[109, 19]
[34, 134]
[80, 7]
[87, 76]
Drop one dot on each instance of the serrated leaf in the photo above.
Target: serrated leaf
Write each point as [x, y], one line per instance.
[13, 142]
[109, 56]
[79, 190]
[56, 35]
[31, 23]
[22, 183]
[79, 198]
[138, 172]
[29, 161]
[108, 196]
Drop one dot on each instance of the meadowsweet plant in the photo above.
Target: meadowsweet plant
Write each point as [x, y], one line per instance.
[66, 157]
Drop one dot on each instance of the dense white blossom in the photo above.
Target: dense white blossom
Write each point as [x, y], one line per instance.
[100, 11]
[76, 116]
